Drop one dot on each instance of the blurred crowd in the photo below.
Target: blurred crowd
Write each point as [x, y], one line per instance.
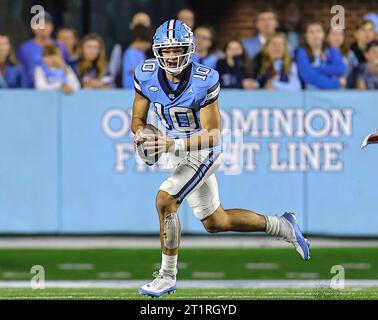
[282, 57]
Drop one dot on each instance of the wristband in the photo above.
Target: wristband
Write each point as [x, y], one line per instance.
[178, 145]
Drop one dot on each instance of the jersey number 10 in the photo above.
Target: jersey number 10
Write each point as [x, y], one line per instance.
[179, 118]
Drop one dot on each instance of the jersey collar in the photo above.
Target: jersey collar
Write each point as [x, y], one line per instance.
[173, 94]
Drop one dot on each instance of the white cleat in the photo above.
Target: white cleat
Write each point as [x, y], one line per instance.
[291, 233]
[162, 284]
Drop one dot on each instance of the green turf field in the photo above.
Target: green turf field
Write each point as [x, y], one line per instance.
[192, 294]
[213, 264]
[249, 263]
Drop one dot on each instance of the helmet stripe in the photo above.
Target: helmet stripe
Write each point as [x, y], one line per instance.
[174, 28]
[167, 28]
[170, 28]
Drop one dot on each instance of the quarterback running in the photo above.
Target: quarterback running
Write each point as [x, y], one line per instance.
[184, 96]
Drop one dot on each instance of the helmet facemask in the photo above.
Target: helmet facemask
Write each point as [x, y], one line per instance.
[180, 61]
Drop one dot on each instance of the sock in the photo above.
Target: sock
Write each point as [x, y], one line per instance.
[273, 224]
[169, 264]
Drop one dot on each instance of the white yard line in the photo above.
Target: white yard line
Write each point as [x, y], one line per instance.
[207, 275]
[209, 241]
[113, 275]
[356, 266]
[17, 275]
[262, 266]
[76, 266]
[207, 284]
[302, 275]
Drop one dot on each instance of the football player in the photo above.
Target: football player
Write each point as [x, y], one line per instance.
[184, 95]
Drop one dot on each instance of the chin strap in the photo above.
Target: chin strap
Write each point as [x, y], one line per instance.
[174, 73]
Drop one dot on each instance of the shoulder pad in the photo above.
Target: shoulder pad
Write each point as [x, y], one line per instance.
[144, 71]
[204, 77]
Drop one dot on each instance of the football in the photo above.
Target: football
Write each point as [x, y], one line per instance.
[144, 135]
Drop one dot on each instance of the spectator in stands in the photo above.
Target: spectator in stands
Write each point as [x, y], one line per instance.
[116, 56]
[266, 25]
[29, 53]
[12, 75]
[291, 25]
[373, 17]
[336, 39]
[135, 53]
[235, 68]
[204, 37]
[318, 66]
[53, 73]
[68, 37]
[277, 70]
[364, 33]
[187, 16]
[140, 18]
[91, 68]
[368, 71]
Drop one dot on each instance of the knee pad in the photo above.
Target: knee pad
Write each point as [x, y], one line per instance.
[171, 231]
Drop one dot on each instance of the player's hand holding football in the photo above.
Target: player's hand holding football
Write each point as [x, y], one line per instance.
[138, 138]
[143, 133]
[157, 144]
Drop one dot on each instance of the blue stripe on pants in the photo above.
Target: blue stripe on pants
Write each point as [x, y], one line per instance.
[196, 179]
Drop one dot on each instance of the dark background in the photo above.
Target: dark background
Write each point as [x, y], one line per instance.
[111, 18]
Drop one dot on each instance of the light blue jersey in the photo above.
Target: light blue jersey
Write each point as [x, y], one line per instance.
[179, 109]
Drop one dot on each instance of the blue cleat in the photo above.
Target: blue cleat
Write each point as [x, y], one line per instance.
[294, 235]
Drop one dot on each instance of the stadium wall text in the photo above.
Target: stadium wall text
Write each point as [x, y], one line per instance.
[67, 163]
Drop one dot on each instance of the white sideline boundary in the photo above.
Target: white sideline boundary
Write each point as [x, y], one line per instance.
[209, 241]
[201, 284]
